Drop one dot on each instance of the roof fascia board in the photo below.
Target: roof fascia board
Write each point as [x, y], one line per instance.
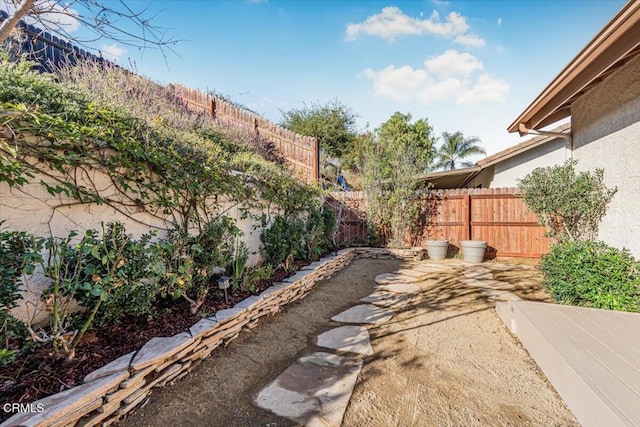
[614, 41]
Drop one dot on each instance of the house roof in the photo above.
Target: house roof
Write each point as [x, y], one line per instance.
[454, 178]
[613, 46]
[523, 147]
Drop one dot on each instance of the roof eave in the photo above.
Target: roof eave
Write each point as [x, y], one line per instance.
[613, 44]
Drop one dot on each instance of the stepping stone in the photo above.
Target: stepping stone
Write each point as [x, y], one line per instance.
[433, 268]
[314, 391]
[364, 313]
[353, 339]
[478, 272]
[411, 273]
[387, 299]
[489, 284]
[389, 278]
[400, 288]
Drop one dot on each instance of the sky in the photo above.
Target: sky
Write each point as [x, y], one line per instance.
[469, 66]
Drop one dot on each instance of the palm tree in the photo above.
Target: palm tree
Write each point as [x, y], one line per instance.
[455, 147]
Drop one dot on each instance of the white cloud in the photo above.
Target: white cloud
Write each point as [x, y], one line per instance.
[391, 22]
[447, 77]
[397, 83]
[470, 40]
[486, 88]
[453, 63]
[112, 51]
[499, 21]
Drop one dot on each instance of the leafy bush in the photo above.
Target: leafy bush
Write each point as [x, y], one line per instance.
[252, 277]
[284, 237]
[569, 204]
[135, 289]
[592, 274]
[19, 253]
[213, 248]
[319, 232]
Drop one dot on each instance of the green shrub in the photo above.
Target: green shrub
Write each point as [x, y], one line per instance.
[284, 237]
[319, 232]
[569, 204]
[135, 277]
[213, 248]
[19, 252]
[592, 274]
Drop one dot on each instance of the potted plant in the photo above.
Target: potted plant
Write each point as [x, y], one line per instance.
[473, 250]
[437, 249]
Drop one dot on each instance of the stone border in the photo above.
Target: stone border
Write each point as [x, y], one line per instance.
[110, 392]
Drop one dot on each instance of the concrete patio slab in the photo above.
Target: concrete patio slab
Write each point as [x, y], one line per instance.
[591, 357]
[364, 313]
[353, 339]
[314, 391]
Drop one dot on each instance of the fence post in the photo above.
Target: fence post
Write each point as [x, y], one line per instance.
[316, 160]
[467, 216]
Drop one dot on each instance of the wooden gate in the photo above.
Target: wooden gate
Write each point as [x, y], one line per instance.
[498, 216]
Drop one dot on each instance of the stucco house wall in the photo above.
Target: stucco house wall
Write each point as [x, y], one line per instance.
[606, 134]
[509, 172]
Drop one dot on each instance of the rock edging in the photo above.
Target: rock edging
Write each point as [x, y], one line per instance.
[113, 390]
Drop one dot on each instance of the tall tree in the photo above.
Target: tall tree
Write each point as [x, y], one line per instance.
[397, 154]
[455, 147]
[333, 123]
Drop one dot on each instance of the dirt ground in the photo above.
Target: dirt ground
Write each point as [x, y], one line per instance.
[445, 359]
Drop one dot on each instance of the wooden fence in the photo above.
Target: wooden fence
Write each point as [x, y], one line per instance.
[498, 216]
[301, 152]
[46, 50]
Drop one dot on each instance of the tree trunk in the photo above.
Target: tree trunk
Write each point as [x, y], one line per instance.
[21, 10]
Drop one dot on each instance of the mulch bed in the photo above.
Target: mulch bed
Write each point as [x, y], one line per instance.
[39, 374]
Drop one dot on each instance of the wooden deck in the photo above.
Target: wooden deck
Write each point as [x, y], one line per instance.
[591, 356]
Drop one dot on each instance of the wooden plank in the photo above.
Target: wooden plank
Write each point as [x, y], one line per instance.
[466, 212]
[591, 396]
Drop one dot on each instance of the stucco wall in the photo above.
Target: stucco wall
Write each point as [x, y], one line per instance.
[31, 208]
[510, 171]
[606, 134]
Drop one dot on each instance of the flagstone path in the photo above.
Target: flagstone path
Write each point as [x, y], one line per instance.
[315, 390]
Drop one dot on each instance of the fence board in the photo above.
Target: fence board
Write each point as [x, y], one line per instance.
[299, 151]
